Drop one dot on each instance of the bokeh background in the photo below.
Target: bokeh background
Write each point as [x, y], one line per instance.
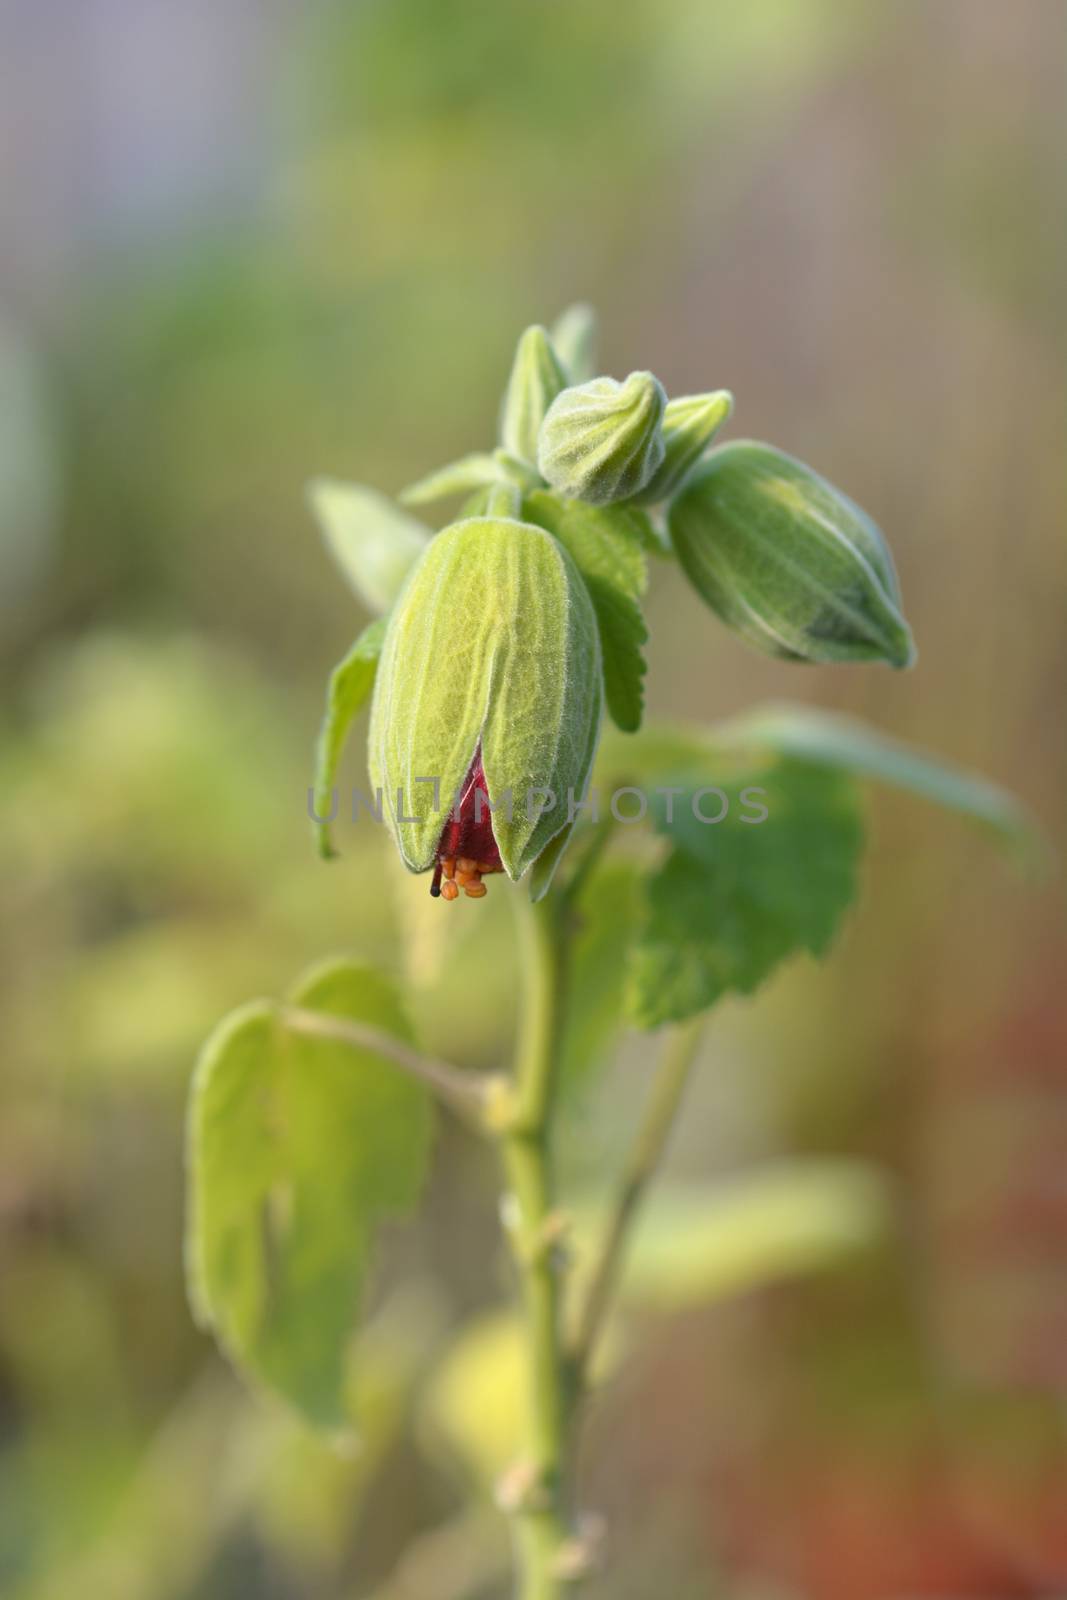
[241, 244]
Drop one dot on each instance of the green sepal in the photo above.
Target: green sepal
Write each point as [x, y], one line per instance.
[373, 542]
[574, 336]
[475, 471]
[543, 871]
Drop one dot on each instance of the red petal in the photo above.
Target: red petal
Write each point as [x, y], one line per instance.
[463, 835]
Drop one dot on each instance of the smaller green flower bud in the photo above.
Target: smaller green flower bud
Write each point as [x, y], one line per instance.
[486, 703]
[537, 377]
[787, 560]
[689, 425]
[602, 441]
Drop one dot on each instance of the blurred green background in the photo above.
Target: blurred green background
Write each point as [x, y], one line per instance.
[242, 244]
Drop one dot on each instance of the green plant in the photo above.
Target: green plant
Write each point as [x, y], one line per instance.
[499, 639]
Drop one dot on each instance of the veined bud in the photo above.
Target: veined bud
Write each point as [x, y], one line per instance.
[486, 704]
[689, 425]
[537, 376]
[602, 441]
[787, 560]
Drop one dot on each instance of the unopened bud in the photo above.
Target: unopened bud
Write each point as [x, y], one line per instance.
[490, 684]
[537, 377]
[601, 441]
[788, 561]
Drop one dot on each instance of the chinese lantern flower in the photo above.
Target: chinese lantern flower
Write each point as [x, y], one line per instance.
[486, 704]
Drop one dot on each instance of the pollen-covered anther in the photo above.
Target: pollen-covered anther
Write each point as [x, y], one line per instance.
[449, 891]
[475, 889]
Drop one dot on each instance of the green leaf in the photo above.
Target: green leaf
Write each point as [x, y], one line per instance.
[475, 471]
[351, 682]
[733, 899]
[478, 503]
[593, 1016]
[607, 547]
[297, 1148]
[374, 543]
[574, 339]
[665, 752]
[698, 1246]
[834, 740]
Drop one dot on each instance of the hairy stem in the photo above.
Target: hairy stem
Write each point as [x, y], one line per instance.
[537, 1495]
[644, 1158]
[504, 500]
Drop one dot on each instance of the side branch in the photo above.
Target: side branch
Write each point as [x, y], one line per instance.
[644, 1158]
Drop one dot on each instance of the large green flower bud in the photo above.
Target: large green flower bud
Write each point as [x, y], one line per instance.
[787, 560]
[489, 683]
[601, 441]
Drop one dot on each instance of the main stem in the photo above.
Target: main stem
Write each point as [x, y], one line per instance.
[539, 1492]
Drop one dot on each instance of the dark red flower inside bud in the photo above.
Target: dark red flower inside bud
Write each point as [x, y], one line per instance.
[467, 849]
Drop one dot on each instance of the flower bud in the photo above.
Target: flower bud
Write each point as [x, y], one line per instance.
[487, 696]
[689, 425]
[787, 560]
[537, 377]
[601, 441]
